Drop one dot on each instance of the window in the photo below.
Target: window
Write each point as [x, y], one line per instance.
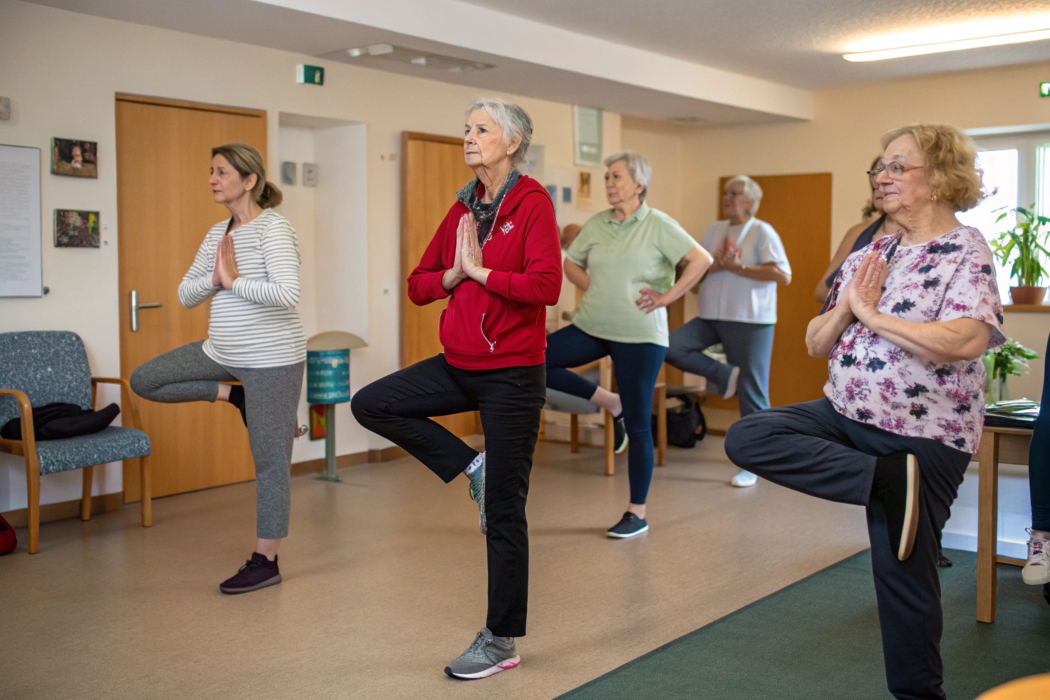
[1017, 170]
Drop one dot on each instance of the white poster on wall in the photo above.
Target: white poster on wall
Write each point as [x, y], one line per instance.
[20, 232]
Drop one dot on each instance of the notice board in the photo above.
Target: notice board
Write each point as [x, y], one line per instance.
[20, 230]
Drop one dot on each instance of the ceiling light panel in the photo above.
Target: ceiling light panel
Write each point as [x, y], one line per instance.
[423, 59]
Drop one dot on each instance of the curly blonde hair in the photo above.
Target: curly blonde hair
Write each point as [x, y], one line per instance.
[950, 162]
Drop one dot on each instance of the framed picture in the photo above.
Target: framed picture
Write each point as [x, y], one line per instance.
[587, 132]
[74, 158]
[76, 229]
[583, 191]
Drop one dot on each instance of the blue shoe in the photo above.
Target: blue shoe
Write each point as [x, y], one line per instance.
[629, 526]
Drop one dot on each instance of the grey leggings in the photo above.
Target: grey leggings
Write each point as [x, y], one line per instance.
[271, 397]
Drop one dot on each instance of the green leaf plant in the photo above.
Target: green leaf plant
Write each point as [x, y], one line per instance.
[1023, 245]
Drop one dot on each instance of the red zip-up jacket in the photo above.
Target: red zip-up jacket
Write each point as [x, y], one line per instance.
[502, 323]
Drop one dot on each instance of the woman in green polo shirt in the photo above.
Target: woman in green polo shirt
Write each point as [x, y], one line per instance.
[624, 260]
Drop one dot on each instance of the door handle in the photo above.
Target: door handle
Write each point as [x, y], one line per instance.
[136, 305]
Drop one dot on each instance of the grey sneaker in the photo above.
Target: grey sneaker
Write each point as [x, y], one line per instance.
[477, 493]
[486, 656]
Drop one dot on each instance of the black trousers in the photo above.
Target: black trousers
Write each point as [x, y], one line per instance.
[810, 447]
[399, 408]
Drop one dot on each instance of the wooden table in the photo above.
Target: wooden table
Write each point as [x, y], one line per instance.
[1011, 446]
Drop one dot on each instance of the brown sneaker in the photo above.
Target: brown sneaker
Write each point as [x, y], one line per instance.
[258, 572]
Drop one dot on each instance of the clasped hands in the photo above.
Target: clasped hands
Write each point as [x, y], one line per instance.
[468, 258]
[727, 256]
[224, 273]
[862, 294]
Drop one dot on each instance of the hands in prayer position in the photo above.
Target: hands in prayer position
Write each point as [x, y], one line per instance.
[468, 260]
[225, 271]
[863, 292]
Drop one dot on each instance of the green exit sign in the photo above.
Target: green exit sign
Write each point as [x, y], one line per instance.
[1044, 89]
[309, 75]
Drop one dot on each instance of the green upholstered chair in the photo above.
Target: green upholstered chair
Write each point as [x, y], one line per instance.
[42, 367]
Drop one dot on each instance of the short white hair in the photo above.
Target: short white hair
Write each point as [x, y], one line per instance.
[637, 167]
[751, 190]
[512, 119]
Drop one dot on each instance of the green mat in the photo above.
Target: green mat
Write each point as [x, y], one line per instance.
[819, 638]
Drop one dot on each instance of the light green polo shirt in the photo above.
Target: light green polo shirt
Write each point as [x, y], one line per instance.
[621, 259]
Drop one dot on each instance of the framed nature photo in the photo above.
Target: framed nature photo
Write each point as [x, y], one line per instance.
[76, 229]
[74, 158]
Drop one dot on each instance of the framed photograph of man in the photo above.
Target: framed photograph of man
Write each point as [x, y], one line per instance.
[74, 158]
[76, 229]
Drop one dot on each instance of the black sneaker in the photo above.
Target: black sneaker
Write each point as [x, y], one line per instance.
[943, 561]
[258, 572]
[619, 434]
[629, 526]
[896, 486]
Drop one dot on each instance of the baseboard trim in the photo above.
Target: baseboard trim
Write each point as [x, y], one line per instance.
[64, 510]
[115, 501]
[387, 454]
[316, 466]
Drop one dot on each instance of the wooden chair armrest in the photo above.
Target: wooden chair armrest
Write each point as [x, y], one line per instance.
[25, 412]
[127, 397]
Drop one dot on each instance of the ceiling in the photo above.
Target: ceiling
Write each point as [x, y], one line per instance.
[696, 61]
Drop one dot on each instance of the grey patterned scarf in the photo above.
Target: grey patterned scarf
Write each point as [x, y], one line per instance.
[485, 214]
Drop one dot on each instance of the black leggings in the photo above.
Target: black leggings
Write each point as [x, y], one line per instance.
[399, 408]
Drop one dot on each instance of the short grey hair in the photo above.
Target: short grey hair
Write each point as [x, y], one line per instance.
[751, 190]
[637, 167]
[512, 119]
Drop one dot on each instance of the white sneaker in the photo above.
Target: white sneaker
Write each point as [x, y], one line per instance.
[743, 479]
[1036, 571]
[734, 377]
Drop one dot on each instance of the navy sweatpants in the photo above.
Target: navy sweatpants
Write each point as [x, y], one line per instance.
[811, 448]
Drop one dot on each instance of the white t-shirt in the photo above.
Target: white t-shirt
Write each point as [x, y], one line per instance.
[725, 296]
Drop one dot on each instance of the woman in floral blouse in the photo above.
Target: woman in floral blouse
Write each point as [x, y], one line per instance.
[903, 329]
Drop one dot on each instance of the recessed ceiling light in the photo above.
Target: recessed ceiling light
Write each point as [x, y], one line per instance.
[945, 46]
[423, 59]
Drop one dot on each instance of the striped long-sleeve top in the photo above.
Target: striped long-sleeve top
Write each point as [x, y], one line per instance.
[255, 324]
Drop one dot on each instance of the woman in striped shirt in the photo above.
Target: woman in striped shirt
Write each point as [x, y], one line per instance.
[248, 265]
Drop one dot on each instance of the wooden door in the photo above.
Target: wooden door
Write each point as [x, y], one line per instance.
[165, 208]
[799, 208]
[432, 171]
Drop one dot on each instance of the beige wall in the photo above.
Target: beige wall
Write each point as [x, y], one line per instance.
[842, 139]
[66, 89]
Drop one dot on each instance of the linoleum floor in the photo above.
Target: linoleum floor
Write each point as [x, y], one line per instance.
[384, 583]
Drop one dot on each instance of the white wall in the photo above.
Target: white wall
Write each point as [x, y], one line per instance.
[67, 89]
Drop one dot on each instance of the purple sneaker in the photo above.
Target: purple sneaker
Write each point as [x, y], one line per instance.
[258, 572]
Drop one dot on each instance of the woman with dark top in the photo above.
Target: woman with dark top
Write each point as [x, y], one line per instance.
[496, 258]
[1036, 571]
[876, 224]
[248, 266]
[906, 323]
[624, 261]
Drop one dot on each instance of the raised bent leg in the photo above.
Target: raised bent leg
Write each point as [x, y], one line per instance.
[399, 406]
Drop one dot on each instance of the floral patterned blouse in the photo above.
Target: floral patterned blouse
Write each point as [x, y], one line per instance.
[875, 382]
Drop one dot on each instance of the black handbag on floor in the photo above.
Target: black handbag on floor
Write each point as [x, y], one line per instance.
[56, 421]
[685, 421]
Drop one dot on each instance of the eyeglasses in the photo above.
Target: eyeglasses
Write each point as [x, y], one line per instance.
[732, 194]
[893, 168]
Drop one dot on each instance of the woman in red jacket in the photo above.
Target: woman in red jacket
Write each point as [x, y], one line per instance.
[497, 258]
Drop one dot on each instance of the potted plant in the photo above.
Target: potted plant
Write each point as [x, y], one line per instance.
[1009, 359]
[1022, 247]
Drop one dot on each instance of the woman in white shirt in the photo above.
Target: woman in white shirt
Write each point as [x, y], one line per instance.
[737, 305]
[248, 265]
